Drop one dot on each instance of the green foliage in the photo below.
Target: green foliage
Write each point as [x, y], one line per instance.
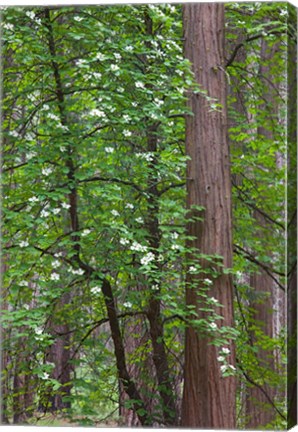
[124, 83]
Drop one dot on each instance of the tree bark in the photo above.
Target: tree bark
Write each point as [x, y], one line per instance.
[208, 398]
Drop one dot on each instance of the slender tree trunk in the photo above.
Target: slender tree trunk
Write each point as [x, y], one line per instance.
[137, 340]
[60, 352]
[60, 355]
[159, 355]
[208, 398]
[23, 390]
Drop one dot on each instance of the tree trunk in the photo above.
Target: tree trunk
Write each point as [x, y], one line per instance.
[60, 355]
[208, 398]
[136, 339]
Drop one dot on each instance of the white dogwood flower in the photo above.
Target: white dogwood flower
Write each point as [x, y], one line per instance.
[95, 290]
[213, 326]
[23, 244]
[147, 258]
[85, 232]
[55, 276]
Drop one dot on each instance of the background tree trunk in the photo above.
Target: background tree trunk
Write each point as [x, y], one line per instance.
[259, 411]
[292, 220]
[60, 355]
[208, 398]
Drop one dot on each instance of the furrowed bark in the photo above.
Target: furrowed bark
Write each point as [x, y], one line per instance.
[208, 398]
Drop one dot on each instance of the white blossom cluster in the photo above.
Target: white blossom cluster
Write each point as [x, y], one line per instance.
[30, 14]
[45, 376]
[226, 367]
[46, 171]
[97, 113]
[114, 67]
[96, 75]
[81, 62]
[44, 213]
[213, 326]
[96, 290]
[63, 127]
[146, 156]
[222, 358]
[208, 281]
[53, 117]
[23, 244]
[8, 26]
[58, 254]
[100, 57]
[85, 232]
[158, 102]
[127, 133]
[139, 84]
[55, 276]
[138, 247]
[126, 117]
[79, 272]
[147, 258]
[213, 300]
[14, 134]
[38, 330]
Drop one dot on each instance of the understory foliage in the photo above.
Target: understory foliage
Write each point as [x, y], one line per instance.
[94, 230]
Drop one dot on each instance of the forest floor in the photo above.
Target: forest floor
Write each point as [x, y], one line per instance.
[62, 421]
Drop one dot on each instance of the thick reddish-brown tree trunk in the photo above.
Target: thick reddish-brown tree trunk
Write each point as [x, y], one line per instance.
[208, 398]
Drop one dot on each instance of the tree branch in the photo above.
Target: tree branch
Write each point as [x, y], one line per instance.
[249, 379]
[240, 251]
[254, 207]
[242, 44]
[111, 180]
